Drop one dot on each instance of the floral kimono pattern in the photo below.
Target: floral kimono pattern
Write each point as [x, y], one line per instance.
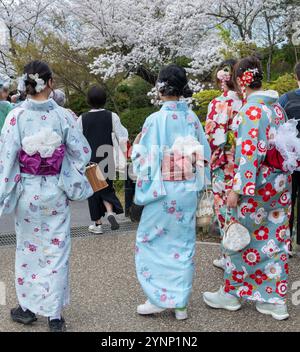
[219, 132]
[41, 204]
[165, 242]
[260, 271]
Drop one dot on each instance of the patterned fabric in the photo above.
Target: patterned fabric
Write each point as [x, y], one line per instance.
[219, 129]
[41, 204]
[165, 241]
[5, 108]
[260, 271]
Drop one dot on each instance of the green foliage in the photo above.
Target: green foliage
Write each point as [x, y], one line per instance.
[134, 119]
[77, 103]
[283, 84]
[202, 100]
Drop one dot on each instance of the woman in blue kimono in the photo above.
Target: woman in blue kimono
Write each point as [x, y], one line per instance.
[261, 201]
[42, 165]
[168, 158]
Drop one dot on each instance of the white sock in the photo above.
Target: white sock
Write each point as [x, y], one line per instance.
[110, 213]
[24, 309]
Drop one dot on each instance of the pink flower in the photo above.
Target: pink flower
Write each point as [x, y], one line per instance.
[55, 241]
[163, 298]
[155, 194]
[140, 183]
[17, 178]
[13, 121]
[32, 248]
[175, 117]
[86, 150]
[36, 230]
[171, 210]
[33, 276]
[20, 281]
[176, 255]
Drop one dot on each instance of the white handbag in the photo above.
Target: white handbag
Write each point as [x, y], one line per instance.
[119, 155]
[236, 236]
[205, 210]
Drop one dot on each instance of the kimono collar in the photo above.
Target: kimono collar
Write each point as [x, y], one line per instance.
[34, 105]
[264, 97]
[231, 94]
[175, 106]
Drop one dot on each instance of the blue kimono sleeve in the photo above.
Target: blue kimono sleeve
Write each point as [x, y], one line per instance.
[147, 162]
[78, 154]
[10, 176]
[203, 176]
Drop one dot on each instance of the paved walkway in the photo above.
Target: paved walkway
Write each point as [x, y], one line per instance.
[105, 293]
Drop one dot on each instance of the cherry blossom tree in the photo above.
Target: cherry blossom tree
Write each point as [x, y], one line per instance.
[140, 36]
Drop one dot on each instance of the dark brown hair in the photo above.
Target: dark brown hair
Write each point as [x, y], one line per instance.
[227, 63]
[96, 97]
[175, 82]
[36, 67]
[250, 62]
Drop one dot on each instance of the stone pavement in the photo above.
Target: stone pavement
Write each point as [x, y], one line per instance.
[105, 293]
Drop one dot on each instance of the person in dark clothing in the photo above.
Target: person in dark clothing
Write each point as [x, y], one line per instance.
[98, 125]
[291, 104]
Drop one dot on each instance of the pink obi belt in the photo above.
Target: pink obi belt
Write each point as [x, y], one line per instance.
[38, 166]
[176, 167]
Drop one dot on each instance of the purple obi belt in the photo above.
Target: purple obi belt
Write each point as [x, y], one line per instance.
[38, 166]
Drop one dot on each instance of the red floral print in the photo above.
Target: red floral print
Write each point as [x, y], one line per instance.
[262, 234]
[259, 277]
[248, 148]
[254, 113]
[251, 256]
[267, 192]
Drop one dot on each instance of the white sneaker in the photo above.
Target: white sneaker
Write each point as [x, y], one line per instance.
[219, 263]
[221, 300]
[277, 311]
[96, 229]
[181, 314]
[149, 308]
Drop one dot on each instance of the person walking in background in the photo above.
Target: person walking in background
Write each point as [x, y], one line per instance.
[220, 135]
[42, 165]
[291, 104]
[260, 200]
[98, 125]
[165, 242]
[5, 106]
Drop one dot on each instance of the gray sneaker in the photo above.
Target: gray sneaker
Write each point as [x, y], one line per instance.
[221, 300]
[277, 311]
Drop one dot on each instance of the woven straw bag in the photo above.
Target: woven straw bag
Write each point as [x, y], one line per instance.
[236, 236]
[95, 177]
[205, 210]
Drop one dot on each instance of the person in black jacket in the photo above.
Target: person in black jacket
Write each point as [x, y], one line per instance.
[97, 126]
[291, 104]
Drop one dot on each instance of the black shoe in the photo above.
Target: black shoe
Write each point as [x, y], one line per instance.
[19, 316]
[57, 325]
[113, 223]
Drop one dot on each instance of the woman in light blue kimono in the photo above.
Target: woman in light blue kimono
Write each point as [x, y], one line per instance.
[42, 164]
[168, 188]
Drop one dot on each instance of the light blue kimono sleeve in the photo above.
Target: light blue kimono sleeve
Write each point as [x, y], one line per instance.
[10, 177]
[78, 154]
[147, 162]
[203, 177]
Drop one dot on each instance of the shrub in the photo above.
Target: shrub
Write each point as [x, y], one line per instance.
[134, 119]
[283, 84]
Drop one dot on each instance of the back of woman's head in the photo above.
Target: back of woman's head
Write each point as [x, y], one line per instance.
[250, 64]
[96, 97]
[173, 82]
[37, 75]
[226, 68]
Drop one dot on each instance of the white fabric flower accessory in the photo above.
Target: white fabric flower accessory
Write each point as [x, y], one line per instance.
[40, 83]
[44, 142]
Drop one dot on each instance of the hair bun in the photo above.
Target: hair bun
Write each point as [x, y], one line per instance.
[187, 92]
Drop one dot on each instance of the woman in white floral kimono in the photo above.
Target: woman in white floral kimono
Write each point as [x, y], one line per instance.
[42, 163]
[167, 185]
